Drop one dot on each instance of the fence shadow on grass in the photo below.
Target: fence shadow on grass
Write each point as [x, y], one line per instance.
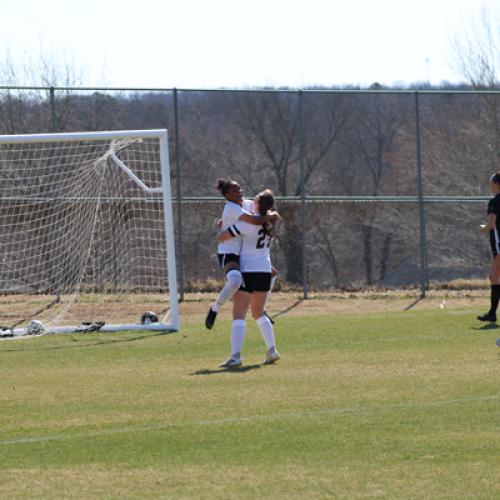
[414, 303]
[288, 309]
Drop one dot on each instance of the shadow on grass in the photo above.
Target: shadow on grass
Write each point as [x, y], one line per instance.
[81, 340]
[414, 303]
[487, 327]
[242, 369]
[288, 309]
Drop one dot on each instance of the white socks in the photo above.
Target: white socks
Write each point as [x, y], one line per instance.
[267, 332]
[238, 330]
[233, 283]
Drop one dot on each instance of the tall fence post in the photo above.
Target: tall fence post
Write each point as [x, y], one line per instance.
[421, 207]
[57, 279]
[180, 247]
[303, 194]
[53, 116]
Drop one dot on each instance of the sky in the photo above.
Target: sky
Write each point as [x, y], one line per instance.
[238, 43]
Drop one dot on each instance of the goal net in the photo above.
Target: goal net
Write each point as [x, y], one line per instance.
[86, 233]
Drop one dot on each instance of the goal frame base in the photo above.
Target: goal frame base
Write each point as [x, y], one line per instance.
[52, 330]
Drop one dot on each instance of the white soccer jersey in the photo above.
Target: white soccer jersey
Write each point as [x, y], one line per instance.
[255, 256]
[230, 215]
[248, 206]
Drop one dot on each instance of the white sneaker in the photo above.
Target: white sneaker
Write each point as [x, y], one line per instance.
[232, 363]
[271, 358]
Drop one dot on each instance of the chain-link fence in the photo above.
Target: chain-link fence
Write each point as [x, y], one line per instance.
[376, 188]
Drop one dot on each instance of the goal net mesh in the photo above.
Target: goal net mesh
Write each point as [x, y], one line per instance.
[80, 240]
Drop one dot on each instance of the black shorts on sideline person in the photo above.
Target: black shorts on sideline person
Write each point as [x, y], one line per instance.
[256, 282]
[494, 243]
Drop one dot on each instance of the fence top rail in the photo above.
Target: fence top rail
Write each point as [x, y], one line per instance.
[257, 90]
[72, 136]
[284, 199]
[353, 199]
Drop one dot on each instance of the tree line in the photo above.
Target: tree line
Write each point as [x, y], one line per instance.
[340, 144]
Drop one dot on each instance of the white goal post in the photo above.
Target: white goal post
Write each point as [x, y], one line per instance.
[86, 233]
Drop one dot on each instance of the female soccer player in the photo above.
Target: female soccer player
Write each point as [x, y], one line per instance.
[235, 209]
[255, 264]
[493, 226]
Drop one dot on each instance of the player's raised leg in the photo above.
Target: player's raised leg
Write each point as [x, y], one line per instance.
[230, 263]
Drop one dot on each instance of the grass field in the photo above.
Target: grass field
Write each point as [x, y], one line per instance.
[389, 404]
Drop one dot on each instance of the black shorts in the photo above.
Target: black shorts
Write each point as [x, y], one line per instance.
[256, 282]
[225, 258]
[494, 244]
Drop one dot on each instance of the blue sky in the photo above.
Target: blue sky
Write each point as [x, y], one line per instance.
[235, 43]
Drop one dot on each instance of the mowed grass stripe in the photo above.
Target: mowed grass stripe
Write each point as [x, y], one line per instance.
[243, 420]
[354, 400]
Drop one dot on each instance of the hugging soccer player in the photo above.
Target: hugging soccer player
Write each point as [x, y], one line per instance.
[236, 209]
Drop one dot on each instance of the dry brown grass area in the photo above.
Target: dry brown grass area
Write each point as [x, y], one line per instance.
[196, 305]
[193, 309]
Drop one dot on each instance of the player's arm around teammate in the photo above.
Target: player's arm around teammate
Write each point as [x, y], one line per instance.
[492, 227]
[256, 269]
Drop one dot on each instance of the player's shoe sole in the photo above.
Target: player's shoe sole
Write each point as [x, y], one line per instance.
[488, 317]
[231, 363]
[210, 319]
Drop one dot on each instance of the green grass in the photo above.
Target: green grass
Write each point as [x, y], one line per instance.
[397, 405]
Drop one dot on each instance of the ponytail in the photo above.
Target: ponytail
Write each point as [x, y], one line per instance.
[223, 185]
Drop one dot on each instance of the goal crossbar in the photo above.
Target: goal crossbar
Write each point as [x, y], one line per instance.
[94, 136]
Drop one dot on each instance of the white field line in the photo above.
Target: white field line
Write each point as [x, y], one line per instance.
[237, 420]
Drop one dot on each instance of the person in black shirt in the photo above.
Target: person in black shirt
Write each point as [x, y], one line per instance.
[493, 227]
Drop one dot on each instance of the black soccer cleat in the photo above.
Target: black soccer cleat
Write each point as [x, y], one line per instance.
[269, 317]
[492, 318]
[210, 319]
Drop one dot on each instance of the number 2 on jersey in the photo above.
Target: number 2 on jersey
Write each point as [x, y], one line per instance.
[261, 242]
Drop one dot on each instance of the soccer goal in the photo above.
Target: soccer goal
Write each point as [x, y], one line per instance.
[86, 233]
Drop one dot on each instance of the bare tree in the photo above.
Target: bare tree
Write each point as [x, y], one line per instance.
[475, 51]
[44, 68]
[371, 160]
[476, 56]
[272, 124]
